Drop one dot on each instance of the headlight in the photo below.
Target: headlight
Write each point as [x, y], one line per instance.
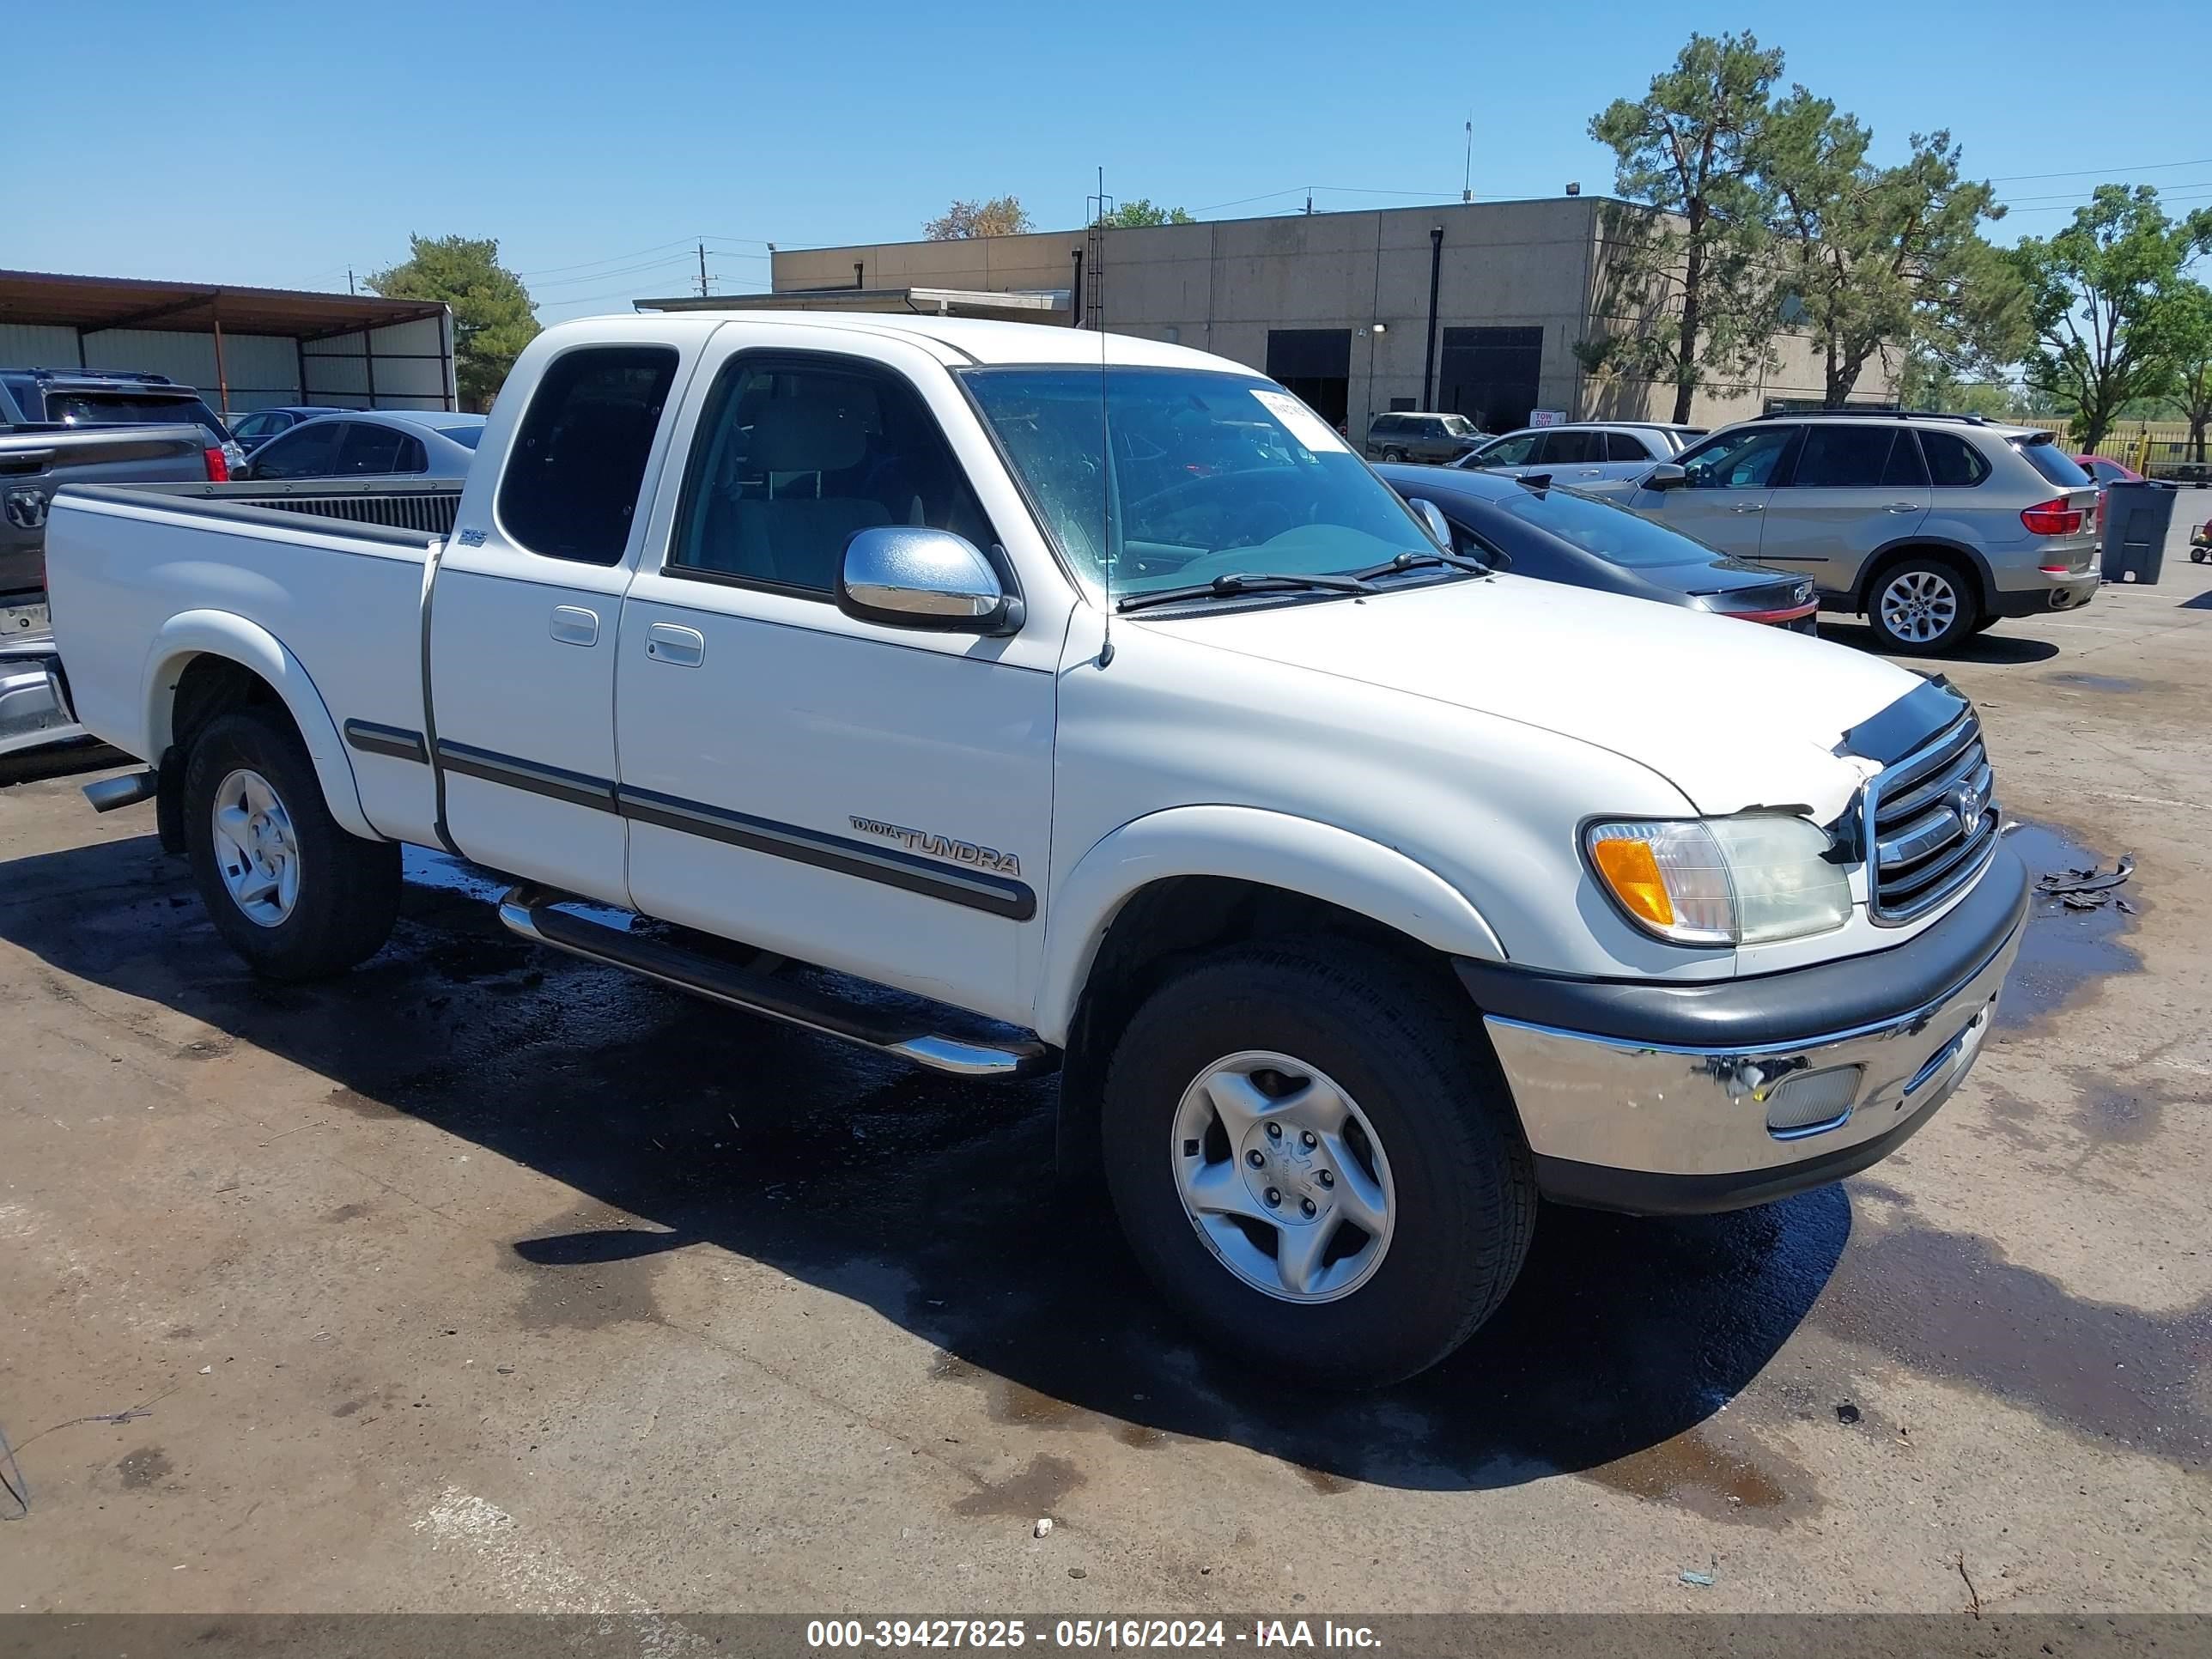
[1721, 881]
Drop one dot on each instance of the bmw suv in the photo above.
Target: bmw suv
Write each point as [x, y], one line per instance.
[1932, 527]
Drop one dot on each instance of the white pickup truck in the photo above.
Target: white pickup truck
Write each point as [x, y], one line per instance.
[1093, 694]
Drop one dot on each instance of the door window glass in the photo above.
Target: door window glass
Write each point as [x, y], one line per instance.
[1509, 451]
[1841, 457]
[578, 458]
[309, 450]
[367, 451]
[1905, 470]
[1625, 446]
[1573, 448]
[1745, 460]
[794, 455]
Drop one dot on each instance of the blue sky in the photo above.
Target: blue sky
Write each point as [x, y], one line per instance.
[280, 143]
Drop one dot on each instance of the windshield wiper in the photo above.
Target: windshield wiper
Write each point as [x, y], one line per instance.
[1422, 561]
[1238, 583]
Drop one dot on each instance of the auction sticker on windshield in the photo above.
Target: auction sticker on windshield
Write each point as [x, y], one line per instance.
[1308, 427]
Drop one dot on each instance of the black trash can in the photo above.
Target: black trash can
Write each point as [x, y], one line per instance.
[2137, 518]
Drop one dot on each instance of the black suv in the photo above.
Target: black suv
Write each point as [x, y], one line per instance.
[1410, 436]
[102, 397]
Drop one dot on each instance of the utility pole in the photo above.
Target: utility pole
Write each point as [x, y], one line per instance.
[1309, 198]
[348, 279]
[703, 271]
[1466, 179]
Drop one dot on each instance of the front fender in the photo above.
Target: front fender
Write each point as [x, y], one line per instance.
[1244, 843]
[220, 634]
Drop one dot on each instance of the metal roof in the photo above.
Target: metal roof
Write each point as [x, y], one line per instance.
[102, 302]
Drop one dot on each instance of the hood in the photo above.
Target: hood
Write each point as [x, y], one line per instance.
[1733, 714]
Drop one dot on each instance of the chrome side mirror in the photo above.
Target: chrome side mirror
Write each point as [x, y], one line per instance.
[1665, 476]
[1433, 520]
[905, 576]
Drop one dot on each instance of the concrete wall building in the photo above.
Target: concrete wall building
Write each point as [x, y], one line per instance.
[1336, 306]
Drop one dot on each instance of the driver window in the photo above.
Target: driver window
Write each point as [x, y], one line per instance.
[1739, 460]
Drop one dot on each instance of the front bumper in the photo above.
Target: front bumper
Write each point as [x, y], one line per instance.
[1662, 1097]
[34, 709]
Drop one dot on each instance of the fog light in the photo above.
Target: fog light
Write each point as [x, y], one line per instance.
[1811, 1101]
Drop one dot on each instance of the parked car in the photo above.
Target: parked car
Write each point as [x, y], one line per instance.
[1363, 896]
[256, 427]
[1531, 526]
[99, 397]
[37, 457]
[1933, 527]
[365, 443]
[2106, 470]
[1408, 436]
[1585, 454]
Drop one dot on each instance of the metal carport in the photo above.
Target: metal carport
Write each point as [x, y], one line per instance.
[244, 348]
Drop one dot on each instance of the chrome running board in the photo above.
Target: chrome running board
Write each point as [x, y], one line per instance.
[529, 912]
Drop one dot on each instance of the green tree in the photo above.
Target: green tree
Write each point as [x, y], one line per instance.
[1876, 258]
[1140, 213]
[493, 319]
[1002, 216]
[2188, 334]
[1693, 275]
[2101, 302]
[1926, 381]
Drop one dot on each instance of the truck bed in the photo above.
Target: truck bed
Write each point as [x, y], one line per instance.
[328, 575]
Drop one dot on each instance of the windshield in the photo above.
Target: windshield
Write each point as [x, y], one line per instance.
[1613, 534]
[1210, 475]
[1460, 427]
[122, 409]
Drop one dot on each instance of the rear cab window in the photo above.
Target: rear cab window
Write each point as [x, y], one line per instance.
[577, 461]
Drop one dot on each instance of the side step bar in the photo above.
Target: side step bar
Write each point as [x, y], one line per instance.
[529, 912]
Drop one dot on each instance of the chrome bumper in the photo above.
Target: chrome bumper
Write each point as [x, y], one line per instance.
[34, 710]
[1628, 1126]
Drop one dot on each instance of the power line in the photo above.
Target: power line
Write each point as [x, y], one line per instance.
[2084, 172]
[611, 260]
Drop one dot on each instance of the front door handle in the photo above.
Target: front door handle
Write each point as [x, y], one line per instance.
[679, 647]
[1748, 506]
[1905, 507]
[573, 625]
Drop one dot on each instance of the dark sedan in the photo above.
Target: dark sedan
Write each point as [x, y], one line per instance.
[1532, 527]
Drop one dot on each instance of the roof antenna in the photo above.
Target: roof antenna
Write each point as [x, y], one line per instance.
[1099, 211]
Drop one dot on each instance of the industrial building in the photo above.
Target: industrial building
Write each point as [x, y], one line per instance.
[242, 347]
[1473, 307]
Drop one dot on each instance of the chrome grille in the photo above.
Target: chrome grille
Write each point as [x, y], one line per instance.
[1932, 824]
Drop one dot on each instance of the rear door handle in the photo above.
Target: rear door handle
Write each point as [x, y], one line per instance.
[1905, 507]
[1748, 506]
[679, 647]
[573, 625]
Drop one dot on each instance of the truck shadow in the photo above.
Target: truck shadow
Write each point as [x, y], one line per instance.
[930, 1199]
[1996, 647]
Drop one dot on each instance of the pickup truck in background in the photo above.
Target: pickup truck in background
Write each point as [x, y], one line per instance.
[37, 456]
[1362, 895]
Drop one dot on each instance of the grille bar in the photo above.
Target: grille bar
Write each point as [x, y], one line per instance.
[1932, 824]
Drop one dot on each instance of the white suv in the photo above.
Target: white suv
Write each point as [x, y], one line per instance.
[1933, 527]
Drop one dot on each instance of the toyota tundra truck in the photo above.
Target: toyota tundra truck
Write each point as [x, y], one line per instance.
[1362, 896]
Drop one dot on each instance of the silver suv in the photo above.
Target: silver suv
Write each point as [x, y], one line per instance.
[1585, 454]
[1933, 527]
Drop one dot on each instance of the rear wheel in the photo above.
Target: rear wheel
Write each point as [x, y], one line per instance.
[1923, 608]
[1314, 1159]
[1394, 454]
[290, 890]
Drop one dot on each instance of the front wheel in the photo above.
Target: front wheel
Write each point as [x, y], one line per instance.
[2198, 555]
[1394, 455]
[1923, 608]
[290, 890]
[1314, 1158]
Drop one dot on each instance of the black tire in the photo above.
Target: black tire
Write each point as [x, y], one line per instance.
[1394, 455]
[2198, 555]
[1413, 1058]
[1983, 624]
[1939, 576]
[348, 888]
